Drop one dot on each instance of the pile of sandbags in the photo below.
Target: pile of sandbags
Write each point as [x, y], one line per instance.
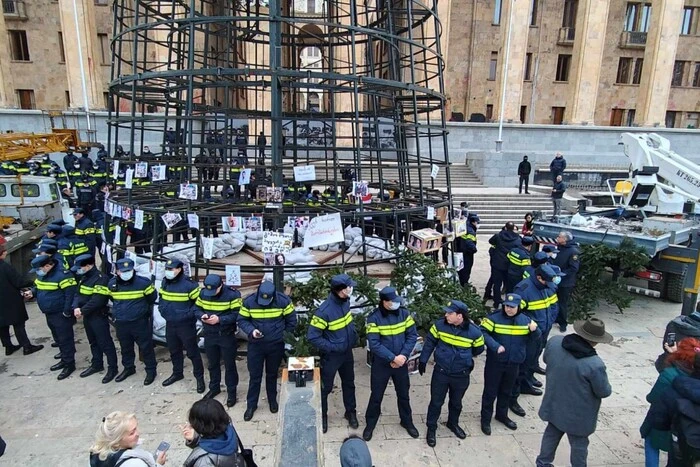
[228, 244]
[253, 240]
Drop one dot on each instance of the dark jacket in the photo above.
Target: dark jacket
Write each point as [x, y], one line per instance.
[71, 247]
[577, 381]
[512, 333]
[176, 299]
[13, 310]
[518, 260]
[569, 262]
[215, 452]
[390, 333]
[225, 305]
[503, 241]
[524, 168]
[454, 346]
[466, 243]
[271, 320]
[54, 292]
[678, 410]
[331, 329]
[85, 230]
[93, 294]
[539, 299]
[558, 165]
[133, 299]
[682, 326]
[558, 190]
[660, 439]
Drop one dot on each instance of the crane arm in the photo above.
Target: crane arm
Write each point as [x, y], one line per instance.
[24, 146]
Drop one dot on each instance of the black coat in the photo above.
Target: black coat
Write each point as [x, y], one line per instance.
[12, 310]
[524, 169]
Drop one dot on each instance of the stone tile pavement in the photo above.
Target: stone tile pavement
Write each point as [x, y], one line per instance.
[52, 423]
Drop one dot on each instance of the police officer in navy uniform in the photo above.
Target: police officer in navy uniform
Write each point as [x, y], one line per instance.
[85, 229]
[265, 316]
[54, 289]
[177, 296]
[391, 334]
[506, 333]
[455, 340]
[90, 305]
[70, 245]
[132, 308]
[332, 332]
[218, 307]
[503, 242]
[568, 261]
[466, 243]
[538, 259]
[518, 260]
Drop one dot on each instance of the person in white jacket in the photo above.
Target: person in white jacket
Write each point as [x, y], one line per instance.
[116, 443]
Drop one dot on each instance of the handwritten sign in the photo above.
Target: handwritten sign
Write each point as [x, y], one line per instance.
[193, 220]
[323, 230]
[273, 242]
[233, 274]
[305, 173]
[434, 171]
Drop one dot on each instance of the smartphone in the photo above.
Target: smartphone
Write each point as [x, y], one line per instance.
[671, 339]
[162, 447]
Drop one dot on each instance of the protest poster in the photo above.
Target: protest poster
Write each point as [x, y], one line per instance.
[138, 219]
[115, 170]
[298, 222]
[170, 219]
[207, 248]
[188, 191]
[252, 224]
[304, 173]
[323, 230]
[129, 182]
[141, 170]
[360, 189]
[244, 177]
[193, 220]
[158, 173]
[274, 194]
[117, 236]
[126, 213]
[431, 213]
[232, 224]
[434, 171]
[274, 242]
[274, 259]
[233, 274]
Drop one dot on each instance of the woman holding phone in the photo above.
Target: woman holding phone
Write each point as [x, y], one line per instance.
[117, 444]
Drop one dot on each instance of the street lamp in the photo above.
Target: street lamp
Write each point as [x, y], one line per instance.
[499, 141]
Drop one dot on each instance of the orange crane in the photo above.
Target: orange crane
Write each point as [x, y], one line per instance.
[24, 146]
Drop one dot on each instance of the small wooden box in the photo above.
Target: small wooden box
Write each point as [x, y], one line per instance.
[459, 226]
[424, 240]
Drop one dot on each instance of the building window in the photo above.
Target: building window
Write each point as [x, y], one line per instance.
[26, 99]
[61, 48]
[631, 113]
[691, 120]
[104, 48]
[696, 75]
[489, 112]
[687, 22]
[616, 117]
[523, 113]
[563, 65]
[493, 66]
[671, 119]
[102, 2]
[497, 12]
[558, 115]
[678, 72]
[637, 75]
[569, 18]
[19, 48]
[311, 6]
[533, 12]
[527, 76]
[638, 17]
[105, 95]
[623, 70]
[67, 99]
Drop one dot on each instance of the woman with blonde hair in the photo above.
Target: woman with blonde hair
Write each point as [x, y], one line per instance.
[116, 444]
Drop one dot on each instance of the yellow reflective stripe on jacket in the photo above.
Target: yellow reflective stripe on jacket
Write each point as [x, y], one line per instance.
[318, 322]
[261, 313]
[507, 329]
[67, 282]
[289, 309]
[335, 325]
[469, 236]
[102, 290]
[194, 293]
[515, 259]
[174, 296]
[79, 250]
[86, 290]
[88, 231]
[129, 295]
[542, 303]
[487, 324]
[390, 329]
[149, 290]
[456, 341]
[43, 285]
[223, 307]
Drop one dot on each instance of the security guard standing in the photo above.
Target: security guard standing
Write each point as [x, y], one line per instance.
[466, 243]
[132, 308]
[391, 334]
[455, 340]
[90, 304]
[85, 229]
[54, 289]
[264, 317]
[177, 295]
[568, 261]
[538, 259]
[506, 333]
[332, 332]
[218, 306]
[70, 246]
[86, 189]
[518, 260]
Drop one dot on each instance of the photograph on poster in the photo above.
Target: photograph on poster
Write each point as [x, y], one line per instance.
[232, 224]
[275, 242]
[384, 140]
[274, 259]
[298, 222]
[244, 177]
[158, 173]
[253, 224]
[141, 170]
[308, 132]
[274, 194]
[188, 191]
[170, 219]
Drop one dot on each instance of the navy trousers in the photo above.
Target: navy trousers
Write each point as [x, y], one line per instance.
[466, 272]
[343, 364]
[137, 332]
[269, 355]
[499, 279]
[183, 336]
[564, 297]
[63, 329]
[218, 347]
[499, 379]
[380, 375]
[100, 339]
[441, 384]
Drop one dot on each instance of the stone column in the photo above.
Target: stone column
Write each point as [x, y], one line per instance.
[516, 61]
[7, 97]
[659, 57]
[89, 49]
[589, 45]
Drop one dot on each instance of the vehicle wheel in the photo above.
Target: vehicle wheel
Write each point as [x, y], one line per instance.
[676, 284]
[659, 286]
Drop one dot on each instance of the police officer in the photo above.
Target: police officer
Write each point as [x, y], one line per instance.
[455, 340]
[86, 189]
[132, 308]
[70, 246]
[568, 260]
[503, 242]
[466, 243]
[90, 305]
[391, 334]
[218, 306]
[54, 289]
[69, 160]
[538, 259]
[332, 332]
[85, 229]
[506, 333]
[85, 162]
[518, 260]
[264, 317]
[178, 293]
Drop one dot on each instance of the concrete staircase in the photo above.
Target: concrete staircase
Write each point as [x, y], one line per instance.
[496, 209]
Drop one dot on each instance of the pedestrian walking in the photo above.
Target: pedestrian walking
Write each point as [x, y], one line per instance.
[557, 194]
[391, 334]
[577, 382]
[557, 166]
[568, 261]
[524, 169]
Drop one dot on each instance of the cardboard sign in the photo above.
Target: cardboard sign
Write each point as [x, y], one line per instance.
[273, 242]
[193, 220]
[233, 274]
[138, 219]
[304, 173]
[323, 230]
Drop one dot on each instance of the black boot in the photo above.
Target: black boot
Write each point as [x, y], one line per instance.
[31, 349]
[517, 409]
[248, 415]
[90, 371]
[126, 372]
[174, 378]
[57, 366]
[111, 373]
[486, 427]
[212, 394]
[150, 377]
[12, 349]
[57, 356]
[67, 370]
[351, 417]
[430, 438]
[367, 434]
[274, 408]
[200, 385]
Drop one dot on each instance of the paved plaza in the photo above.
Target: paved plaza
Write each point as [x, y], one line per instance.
[51, 424]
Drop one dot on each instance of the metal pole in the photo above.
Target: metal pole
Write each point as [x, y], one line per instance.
[276, 113]
[82, 66]
[499, 141]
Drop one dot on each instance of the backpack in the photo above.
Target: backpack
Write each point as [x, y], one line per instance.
[685, 434]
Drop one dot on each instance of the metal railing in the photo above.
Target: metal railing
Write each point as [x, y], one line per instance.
[566, 36]
[633, 39]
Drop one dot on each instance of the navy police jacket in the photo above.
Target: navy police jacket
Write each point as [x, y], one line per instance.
[176, 299]
[503, 242]
[537, 301]
[512, 333]
[518, 260]
[466, 243]
[331, 329]
[132, 299]
[390, 333]
[271, 320]
[93, 294]
[568, 260]
[454, 346]
[85, 230]
[54, 292]
[225, 305]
